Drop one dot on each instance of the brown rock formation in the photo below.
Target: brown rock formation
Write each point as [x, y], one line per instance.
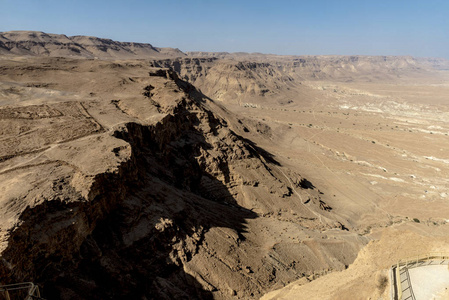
[153, 194]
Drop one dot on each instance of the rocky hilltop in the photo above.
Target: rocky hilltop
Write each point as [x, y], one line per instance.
[142, 186]
[47, 44]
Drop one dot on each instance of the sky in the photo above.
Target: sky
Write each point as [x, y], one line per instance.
[319, 27]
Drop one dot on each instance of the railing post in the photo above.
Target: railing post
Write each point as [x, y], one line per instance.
[398, 282]
[31, 291]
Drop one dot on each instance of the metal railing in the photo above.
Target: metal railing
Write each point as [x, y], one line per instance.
[413, 262]
[24, 291]
[398, 283]
[409, 288]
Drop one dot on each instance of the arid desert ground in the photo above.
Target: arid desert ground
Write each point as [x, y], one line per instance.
[130, 171]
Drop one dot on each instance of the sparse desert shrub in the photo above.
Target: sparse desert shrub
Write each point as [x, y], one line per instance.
[381, 282]
[416, 220]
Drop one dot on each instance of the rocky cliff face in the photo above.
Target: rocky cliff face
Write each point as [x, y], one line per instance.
[255, 79]
[232, 81]
[153, 194]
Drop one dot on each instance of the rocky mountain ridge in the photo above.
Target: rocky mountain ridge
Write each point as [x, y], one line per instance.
[154, 193]
[277, 79]
[38, 43]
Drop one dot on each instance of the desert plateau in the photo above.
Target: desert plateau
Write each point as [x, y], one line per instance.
[129, 171]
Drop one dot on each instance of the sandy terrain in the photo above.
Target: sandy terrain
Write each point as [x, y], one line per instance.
[368, 277]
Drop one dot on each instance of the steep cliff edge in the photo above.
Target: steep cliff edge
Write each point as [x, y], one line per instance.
[154, 193]
[257, 79]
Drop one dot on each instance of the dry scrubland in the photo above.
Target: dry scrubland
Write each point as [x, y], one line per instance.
[128, 170]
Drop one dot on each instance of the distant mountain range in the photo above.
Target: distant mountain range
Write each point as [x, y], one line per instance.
[38, 43]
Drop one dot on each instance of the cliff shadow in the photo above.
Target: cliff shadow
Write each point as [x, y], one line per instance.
[139, 250]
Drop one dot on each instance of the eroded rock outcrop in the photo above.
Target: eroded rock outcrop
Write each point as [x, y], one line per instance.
[171, 201]
[258, 79]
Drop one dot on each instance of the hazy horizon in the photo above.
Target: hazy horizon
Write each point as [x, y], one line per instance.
[286, 27]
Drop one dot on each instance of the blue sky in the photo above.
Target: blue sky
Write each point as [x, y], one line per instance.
[346, 27]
